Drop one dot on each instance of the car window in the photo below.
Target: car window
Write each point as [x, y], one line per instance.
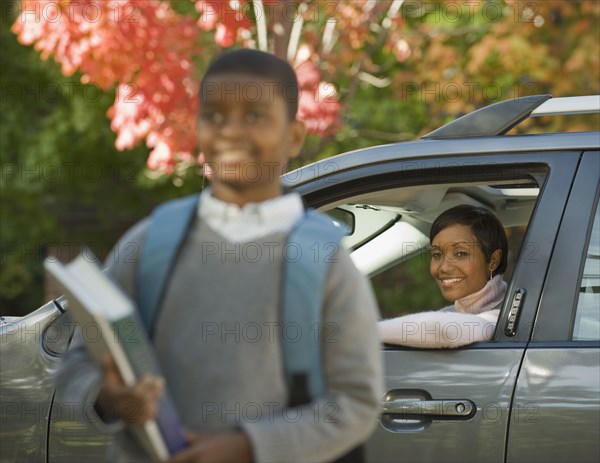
[587, 316]
[390, 243]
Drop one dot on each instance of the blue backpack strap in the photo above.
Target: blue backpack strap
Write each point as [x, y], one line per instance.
[311, 246]
[168, 228]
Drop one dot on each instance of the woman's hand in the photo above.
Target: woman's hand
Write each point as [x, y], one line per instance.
[132, 404]
[222, 447]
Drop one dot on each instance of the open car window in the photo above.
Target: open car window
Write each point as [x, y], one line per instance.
[390, 237]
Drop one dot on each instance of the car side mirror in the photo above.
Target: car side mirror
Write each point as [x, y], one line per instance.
[342, 217]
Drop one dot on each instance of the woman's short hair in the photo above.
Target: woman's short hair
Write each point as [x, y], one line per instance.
[486, 227]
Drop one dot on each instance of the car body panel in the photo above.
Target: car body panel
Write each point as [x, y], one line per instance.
[74, 438]
[26, 386]
[558, 396]
[484, 376]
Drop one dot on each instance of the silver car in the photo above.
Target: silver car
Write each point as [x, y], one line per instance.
[531, 394]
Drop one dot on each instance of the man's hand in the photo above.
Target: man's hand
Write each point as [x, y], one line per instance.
[223, 447]
[135, 404]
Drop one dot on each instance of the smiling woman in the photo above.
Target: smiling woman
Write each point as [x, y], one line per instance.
[468, 256]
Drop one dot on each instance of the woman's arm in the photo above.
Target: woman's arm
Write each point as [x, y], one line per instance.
[435, 330]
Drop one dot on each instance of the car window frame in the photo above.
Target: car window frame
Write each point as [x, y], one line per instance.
[558, 167]
[554, 324]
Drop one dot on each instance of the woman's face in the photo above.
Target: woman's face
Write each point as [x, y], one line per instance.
[457, 262]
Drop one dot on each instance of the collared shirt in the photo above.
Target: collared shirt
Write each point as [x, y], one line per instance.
[253, 220]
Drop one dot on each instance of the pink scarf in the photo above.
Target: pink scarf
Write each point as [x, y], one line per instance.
[487, 298]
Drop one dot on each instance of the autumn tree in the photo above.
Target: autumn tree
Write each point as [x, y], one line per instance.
[371, 72]
[442, 58]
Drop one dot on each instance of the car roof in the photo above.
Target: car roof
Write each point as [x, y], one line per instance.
[479, 132]
[554, 142]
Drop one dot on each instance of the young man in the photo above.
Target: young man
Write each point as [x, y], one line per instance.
[217, 332]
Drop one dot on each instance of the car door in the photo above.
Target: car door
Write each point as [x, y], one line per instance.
[454, 405]
[558, 387]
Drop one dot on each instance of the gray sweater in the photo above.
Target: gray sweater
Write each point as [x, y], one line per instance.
[218, 342]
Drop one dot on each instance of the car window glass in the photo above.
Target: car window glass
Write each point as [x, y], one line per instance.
[587, 317]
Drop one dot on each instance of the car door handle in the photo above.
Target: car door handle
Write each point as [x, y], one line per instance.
[459, 409]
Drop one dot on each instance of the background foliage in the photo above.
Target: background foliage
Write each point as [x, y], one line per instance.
[75, 168]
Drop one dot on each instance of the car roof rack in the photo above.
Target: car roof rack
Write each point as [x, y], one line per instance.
[499, 118]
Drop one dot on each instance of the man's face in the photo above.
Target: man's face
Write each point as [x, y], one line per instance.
[245, 133]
